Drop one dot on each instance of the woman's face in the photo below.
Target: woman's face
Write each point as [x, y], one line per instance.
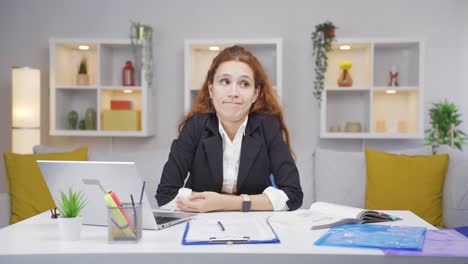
[233, 91]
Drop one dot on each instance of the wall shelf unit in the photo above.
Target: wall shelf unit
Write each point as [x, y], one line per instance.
[198, 58]
[378, 110]
[105, 60]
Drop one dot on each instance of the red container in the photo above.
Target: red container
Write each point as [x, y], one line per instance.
[128, 74]
[120, 105]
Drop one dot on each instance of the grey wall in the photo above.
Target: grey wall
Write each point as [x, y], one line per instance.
[26, 26]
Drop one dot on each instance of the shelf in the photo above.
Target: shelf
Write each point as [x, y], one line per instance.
[403, 56]
[78, 100]
[335, 135]
[77, 87]
[106, 59]
[113, 58]
[383, 110]
[347, 89]
[122, 88]
[343, 108]
[396, 88]
[89, 133]
[359, 54]
[67, 60]
[111, 94]
[396, 113]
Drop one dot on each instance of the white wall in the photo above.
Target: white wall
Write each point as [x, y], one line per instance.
[464, 101]
[26, 25]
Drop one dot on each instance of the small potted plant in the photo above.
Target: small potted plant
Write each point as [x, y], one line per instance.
[82, 78]
[444, 121]
[70, 220]
[322, 38]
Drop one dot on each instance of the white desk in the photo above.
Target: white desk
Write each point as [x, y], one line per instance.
[36, 240]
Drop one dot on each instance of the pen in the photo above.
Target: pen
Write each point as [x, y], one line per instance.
[272, 180]
[221, 226]
[142, 191]
[133, 204]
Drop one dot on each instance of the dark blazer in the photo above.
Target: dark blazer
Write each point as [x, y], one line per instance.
[199, 151]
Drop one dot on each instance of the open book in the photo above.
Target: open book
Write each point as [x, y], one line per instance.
[326, 215]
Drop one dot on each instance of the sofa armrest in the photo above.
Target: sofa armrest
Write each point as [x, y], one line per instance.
[4, 209]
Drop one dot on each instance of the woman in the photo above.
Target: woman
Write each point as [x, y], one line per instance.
[233, 139]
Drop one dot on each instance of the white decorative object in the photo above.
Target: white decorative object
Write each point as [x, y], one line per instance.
[26, 109]
[70, 228]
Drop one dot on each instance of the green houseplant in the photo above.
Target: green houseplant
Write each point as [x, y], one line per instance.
[83, 77]
[322, 38]
[444, 122]
[70, 205]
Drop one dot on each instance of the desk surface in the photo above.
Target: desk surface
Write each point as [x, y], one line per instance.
[37, 239]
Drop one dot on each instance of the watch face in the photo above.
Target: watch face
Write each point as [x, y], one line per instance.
[245, 206]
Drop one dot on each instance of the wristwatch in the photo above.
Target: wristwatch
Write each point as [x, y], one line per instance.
[246, 203]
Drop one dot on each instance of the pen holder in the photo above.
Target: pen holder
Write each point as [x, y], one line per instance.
[124, 223]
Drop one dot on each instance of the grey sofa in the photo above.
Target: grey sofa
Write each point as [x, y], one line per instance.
[326, 175]
[340, 177]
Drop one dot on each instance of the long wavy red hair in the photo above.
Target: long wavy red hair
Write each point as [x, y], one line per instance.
[267, 101]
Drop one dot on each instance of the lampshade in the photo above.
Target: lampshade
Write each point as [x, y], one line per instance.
[26, 108]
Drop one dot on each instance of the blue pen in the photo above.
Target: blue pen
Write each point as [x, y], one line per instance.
[272, 180]
[142, 191]
[221, 226]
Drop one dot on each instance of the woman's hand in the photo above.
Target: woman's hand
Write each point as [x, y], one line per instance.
[201, 202]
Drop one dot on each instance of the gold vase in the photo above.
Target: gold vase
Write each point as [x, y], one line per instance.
[345, 79]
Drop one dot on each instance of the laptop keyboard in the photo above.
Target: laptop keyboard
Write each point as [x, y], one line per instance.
[164, 219]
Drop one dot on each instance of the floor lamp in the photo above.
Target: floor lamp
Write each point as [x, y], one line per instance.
[26, 109]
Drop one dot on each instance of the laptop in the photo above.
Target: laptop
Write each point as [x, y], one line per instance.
[120, 177]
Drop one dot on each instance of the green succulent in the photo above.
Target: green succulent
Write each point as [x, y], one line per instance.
[445, 118]
[71, 204]
[83, 66]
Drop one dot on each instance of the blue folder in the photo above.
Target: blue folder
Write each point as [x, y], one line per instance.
[229, 240]
[374, 236]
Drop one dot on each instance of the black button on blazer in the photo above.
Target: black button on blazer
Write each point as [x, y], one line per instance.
[198, 152]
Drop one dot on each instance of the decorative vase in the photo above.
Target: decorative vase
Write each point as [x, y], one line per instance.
[381, 126]
[128, 74]
[90, 119]
[70, 228]
[82, 125]
[345, 79]
[353, 127]
[82, 79]
[72, 119]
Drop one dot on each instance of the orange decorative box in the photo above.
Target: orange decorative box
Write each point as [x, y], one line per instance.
[120, 105]
[121, 120]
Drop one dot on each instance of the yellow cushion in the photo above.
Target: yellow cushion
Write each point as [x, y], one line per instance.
[29, 194]
[401, 182]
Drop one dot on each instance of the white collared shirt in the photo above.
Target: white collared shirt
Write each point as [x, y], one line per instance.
[231, 160]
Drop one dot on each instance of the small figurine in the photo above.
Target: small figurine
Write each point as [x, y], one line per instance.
[393, 77]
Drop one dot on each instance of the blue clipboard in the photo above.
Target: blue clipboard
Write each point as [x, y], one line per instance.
[230, 240]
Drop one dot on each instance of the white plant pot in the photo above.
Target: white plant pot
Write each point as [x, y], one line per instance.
[70, 228]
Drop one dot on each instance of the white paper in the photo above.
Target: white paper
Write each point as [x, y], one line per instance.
[253, 228]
